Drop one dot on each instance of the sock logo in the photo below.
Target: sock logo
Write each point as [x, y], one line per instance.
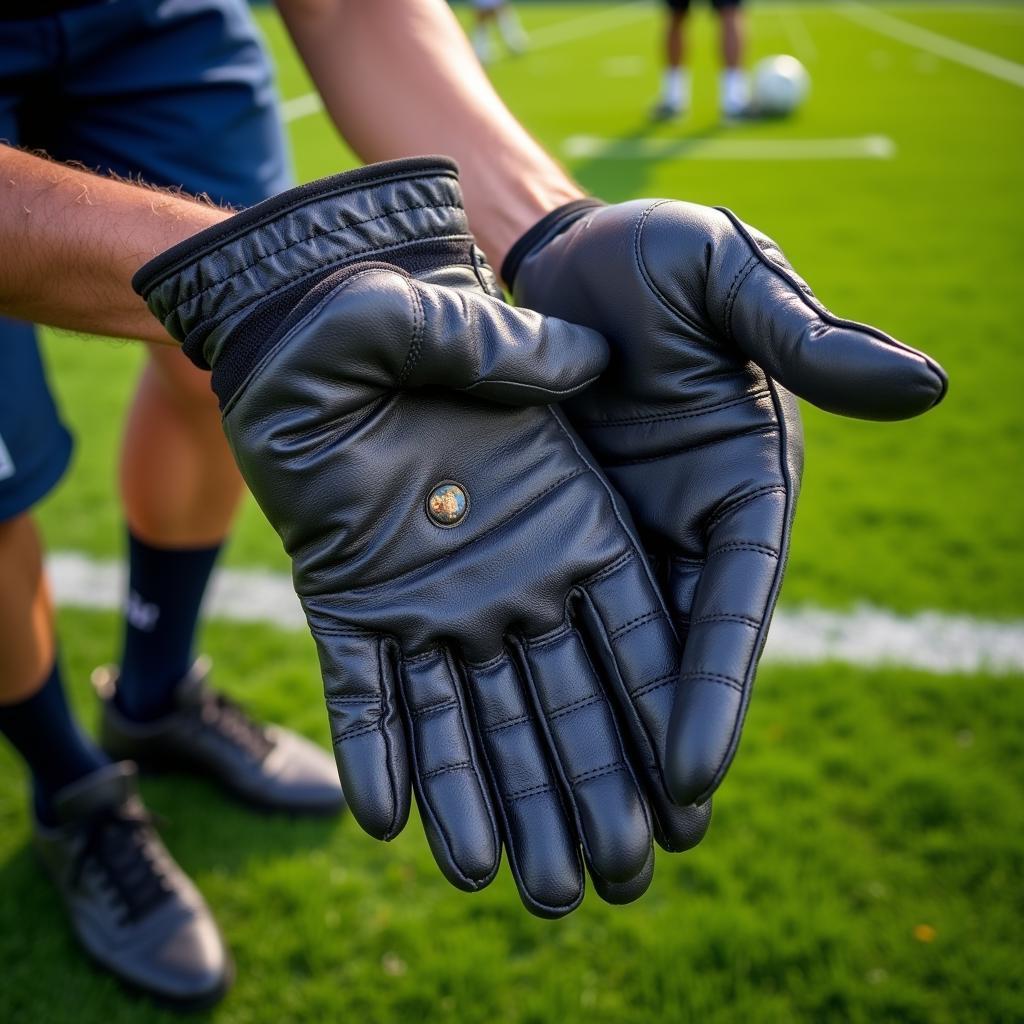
[6, 462]
[140, 613]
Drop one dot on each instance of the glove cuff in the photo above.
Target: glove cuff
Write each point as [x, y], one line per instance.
[550, 225]
[406, 212]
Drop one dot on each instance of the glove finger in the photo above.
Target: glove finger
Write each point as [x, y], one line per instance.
[840, 365]
[630, 632]
[583, 737]
[471, 342]
[541, 841]
[369, 743]
[621, 893]
[451, 791]
[732, 605]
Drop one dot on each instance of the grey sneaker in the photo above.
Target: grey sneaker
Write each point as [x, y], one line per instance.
[208, 734]
[133, 909]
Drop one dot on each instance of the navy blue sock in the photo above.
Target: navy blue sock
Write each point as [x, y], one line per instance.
[57, 752]
[165, 591]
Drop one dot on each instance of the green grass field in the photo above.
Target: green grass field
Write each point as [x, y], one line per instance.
[866, 862]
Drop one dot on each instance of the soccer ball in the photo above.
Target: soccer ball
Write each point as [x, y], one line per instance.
[780, 85]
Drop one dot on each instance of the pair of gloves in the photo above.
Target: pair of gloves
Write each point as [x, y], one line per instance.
[543, 619]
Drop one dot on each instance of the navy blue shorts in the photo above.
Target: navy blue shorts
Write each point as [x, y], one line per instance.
[682, 6]
[176, 92]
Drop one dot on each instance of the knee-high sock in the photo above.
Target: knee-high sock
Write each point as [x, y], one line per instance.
[56, 750]
[165, 593]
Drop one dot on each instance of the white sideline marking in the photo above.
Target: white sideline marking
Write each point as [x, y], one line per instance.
[869, 637]
[942, 46]
[582, 26]
[867, 147]
[299, 107]
[799, 38]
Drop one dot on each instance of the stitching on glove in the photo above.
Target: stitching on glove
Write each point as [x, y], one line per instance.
[519, 720]
[612, 768]
[743, 620]
[419, 320]
[609, 570]
[486, 666]
[645, 274]
[734, 289]
[640, 620]
[445, 769]
[574, 706]
[362, 730]
[738, 545]
[727, 510]
[687, 564]
[448, 704]
[538, 643]
[762, 431]
[654, 684]
[655, 417]
[369, 698]
[246, 267]
[716, 677]
[521, 794]
[431, 654]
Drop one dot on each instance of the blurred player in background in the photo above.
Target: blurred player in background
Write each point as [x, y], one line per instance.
[734, 91]
[500, 16]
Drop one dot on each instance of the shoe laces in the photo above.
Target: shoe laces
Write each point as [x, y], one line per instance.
[234, 723]
[119, 843]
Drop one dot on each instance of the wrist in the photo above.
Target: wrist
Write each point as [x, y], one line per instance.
[501, 214]
[553, 223]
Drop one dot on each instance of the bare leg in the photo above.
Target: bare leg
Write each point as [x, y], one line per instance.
[675, 84]
[179, 483]
[733, 37]
[675, 39]
[26, 612]
[734, 89]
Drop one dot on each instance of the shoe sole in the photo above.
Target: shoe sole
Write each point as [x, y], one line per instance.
[156, 768]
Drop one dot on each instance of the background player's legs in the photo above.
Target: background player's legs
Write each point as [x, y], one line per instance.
[734, 90]
[675, 83]
[180, 489]
[34, 714]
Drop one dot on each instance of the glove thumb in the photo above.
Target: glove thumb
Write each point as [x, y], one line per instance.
[839, 365]
[463, 339]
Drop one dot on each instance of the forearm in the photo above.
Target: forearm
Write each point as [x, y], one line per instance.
[70, 242]
[399, 79]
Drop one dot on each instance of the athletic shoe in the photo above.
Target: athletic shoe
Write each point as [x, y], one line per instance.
[133, 909]
[208, 734]
[664, 110]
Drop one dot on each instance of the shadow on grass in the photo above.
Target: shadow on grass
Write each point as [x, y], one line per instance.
[619, 173]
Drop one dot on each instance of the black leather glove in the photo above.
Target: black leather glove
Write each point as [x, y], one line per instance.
[709, 325]
[477, 599]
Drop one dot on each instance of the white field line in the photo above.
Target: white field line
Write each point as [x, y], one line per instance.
[566, 31]
[299, 107]
[866, 147]
[931, 42]
[799, 38]
[866, 636]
